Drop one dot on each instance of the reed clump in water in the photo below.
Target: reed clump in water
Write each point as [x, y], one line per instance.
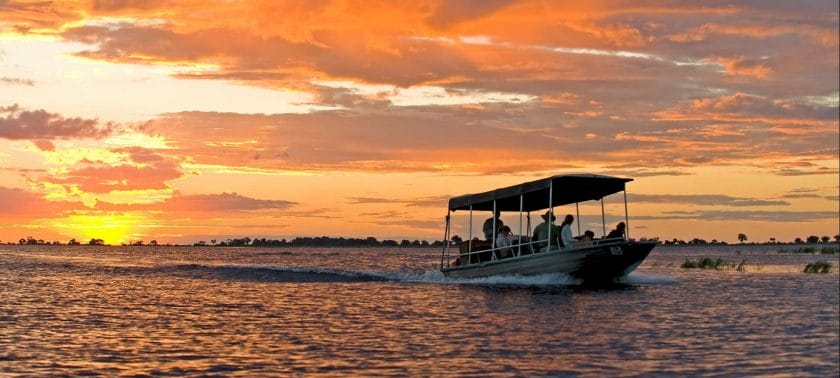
[718, 264]
[818, 267]
[812, 250]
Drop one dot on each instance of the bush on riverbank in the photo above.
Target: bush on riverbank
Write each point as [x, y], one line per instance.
[818, 267]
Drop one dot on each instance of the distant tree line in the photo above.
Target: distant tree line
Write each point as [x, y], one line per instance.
[321, 241]
[326, 241]
[742, 238]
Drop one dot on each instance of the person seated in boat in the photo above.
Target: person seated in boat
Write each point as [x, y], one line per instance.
[542, 230]
[491, 225]
[618, 232]
[586, 239]
[568, 241]
[504, 241]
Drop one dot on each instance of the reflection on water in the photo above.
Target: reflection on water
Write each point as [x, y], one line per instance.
[227, 311]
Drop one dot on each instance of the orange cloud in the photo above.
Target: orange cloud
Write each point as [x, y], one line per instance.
[741, 66]
[106, 179]
[146, 170]
[825, 36]
[19, 203]
[202, 203]
[39, 124]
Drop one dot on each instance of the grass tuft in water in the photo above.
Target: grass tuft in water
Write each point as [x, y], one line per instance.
[818, 267]
[718, 264]
[823, 251]
[799, 250]
[829, 251]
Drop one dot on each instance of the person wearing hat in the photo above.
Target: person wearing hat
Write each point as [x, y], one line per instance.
[492, 226]
[542, 230]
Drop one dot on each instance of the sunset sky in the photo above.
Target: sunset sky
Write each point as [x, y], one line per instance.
[194, 120]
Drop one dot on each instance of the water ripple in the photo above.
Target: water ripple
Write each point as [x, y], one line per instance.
[259, 312]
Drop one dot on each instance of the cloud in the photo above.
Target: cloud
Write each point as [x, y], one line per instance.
[746, 216]
[823, 35]
[223, 202]
[741, 66]
[645, 173]
[345, 54]
[807, 172]
[704, 200]
[433, 201]
[23, 16]
[118, 5]
[44, 145]
[20, 203]
[413, 224]
[759, 106]
[16, 81]
[144, 170]
[801, 195]
[202, 203]
[452, 12]
[39, 124]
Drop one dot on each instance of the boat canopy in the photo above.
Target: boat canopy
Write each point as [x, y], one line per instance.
[565, 189]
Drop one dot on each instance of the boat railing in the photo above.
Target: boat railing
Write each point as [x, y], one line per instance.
[524, 248]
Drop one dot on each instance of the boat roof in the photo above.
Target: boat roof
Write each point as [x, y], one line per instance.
[567, 189]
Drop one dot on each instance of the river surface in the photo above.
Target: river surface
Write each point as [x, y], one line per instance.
[181, 311]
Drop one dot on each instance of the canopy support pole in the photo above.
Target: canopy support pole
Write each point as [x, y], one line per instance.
[521, 205]
[550, 211]
[577, 212]
[444, 255]
[528, 228]
[603, 219]
[493, 240]
[469, 243]
[626, 217]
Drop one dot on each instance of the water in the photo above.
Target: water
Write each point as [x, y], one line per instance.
[377, 312]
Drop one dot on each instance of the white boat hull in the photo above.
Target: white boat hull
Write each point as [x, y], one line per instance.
[595, 263]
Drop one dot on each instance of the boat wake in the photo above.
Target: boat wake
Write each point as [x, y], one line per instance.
[648, 279]
[315, 275]
[286, 274]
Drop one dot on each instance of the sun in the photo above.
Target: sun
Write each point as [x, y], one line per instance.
[113, 229]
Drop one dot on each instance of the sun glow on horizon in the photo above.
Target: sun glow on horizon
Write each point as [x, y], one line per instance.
[113, 229]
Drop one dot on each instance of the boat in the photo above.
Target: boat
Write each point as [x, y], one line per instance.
[602, 259]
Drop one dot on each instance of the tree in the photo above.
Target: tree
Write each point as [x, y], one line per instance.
[773, 240]
[96, 242]
[798, 241]
[813, 239]
[153, 242]
[742, 237]
[825, 239]
[837, 238]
